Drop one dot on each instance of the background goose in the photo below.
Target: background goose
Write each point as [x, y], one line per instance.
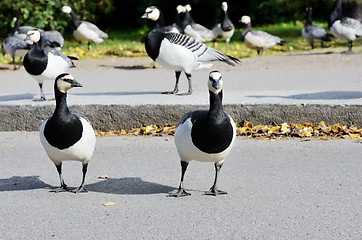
[311, 32]
[205, 135]
[85, 31]
[177, 51]
[195, 30]
[177, 27]
[15, 47]
[345, 28]
[44, 63]
[256, 39]
[67, 136]
[225, 29]
[52, 38]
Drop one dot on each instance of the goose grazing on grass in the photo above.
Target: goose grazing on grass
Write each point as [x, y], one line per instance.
[44, 63]
[311, 32]
[258, 40]
[345, 28]
[195, 30]
[85, 31]
[67, 136]
[205, 135]
[225, 29]
[15, 47]
[177, 51]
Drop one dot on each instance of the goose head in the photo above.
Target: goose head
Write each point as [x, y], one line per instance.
[245, 19]
[65, 81]
[66, 9]
[224, 6]
[33, 36]
[215, 82]
[152, 13]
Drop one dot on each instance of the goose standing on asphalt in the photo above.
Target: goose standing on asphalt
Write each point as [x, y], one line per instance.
[177, 51]
[256, 39]
[311, 32]
[85, 31]
[67, 136]
[344, 27]
[225, 29]
[44, 63]
[195, 30]
[205, 135]
[15, 47]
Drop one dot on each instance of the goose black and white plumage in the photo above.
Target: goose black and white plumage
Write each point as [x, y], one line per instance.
[15, 47]
[345, 28]
[44, 63]
[225, 29]
[52, 38]
[176, 27]
[85, 31]
[177, 51]
[205, 135]
[195, 30]
[256, 39]
[312, 32]
[66, 136]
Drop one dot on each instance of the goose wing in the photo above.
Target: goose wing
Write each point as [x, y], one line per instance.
[353, 24]
[58, 53]
[203, 52]
[316, 31]
[94, 28]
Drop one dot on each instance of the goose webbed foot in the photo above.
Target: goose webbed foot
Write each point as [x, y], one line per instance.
[170, 92]
[41, 99]
[180, 192]
[63, 188]
[214, 192]
[81, 189]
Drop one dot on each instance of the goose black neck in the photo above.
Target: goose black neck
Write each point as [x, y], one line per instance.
[61, 107]
[215, 104]
[309, 17]
[245, 31]
[336, 13]
[16, 27]
[187, 19]
[75, 19]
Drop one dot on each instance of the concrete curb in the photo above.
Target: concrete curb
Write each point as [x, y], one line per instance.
[115, 117]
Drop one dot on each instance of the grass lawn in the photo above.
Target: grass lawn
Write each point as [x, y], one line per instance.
[128, 43]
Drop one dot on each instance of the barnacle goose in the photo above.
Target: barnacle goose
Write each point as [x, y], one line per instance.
[20, 31]
[225, 29]
[256, 39]
[15, 47]
[53, 38]
[85, 31]
[205, 135]
[312, 32]
[176, 27]
[177, 51]
[67, 136]
[44, 63]
[345, 28]
[195, 30]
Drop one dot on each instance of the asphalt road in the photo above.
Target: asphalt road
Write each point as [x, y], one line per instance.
[285, 189]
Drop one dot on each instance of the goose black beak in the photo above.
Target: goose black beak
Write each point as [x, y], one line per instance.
[145, 15]
[76, 84]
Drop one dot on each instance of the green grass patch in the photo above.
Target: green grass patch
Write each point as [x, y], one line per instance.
[128, 43]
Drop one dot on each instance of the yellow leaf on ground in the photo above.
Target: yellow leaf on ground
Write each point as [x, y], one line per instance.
[109, 204]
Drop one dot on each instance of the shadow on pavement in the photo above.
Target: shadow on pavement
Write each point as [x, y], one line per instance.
[116, 93]
[128, 186]
[18, 183]
[15, 97]
[330, 95]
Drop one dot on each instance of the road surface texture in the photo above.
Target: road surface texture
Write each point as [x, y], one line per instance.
[284, 189]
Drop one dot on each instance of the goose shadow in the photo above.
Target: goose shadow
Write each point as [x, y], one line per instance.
[116, 93]
[128, 186]
[329, 95]
[134, 67]
[20, 183]
[16, 97]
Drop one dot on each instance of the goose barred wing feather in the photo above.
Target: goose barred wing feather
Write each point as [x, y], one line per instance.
[203, 52]
[316, 31]
[267, 39]
[56, 52]
[352, 23]
[94, 28]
